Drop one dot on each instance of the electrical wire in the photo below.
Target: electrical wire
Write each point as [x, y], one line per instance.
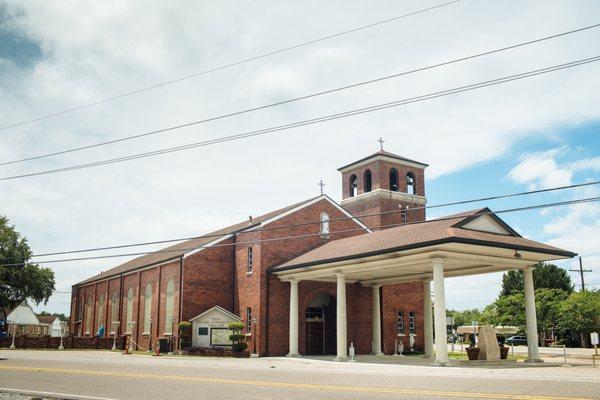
[312, 121]
[287, 226]
[526, 208]
[222, 67]
[304, 97]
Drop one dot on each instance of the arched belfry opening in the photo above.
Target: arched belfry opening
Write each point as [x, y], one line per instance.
[353, 186]
[368, 182]
[394, 180]
[411, 184]
[321, 325]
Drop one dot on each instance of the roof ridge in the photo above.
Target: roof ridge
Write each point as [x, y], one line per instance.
[181, 248]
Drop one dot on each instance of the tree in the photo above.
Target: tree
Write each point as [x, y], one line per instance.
[545, 275]
[505, 311]
[237, 337]
[547, 307]
[464, 317]
[25, 280]
[581, 312]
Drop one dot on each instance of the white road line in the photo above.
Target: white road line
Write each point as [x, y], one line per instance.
[52, 394]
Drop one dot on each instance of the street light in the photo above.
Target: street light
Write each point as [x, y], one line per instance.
[115, 330]
[12, 346]
[63, 324]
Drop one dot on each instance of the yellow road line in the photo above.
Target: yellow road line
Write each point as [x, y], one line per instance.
[289, 385]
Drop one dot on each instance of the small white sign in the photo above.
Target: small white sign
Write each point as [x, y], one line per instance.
[594, 336]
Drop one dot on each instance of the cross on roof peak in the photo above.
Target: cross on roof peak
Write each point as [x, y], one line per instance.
[381, 142]
[321, 185]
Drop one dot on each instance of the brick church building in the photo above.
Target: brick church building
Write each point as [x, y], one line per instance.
[229, 268]
[282, 273]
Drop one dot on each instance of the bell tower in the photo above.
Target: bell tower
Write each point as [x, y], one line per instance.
[384, 189]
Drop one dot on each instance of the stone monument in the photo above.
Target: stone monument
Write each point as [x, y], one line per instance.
[488, 343]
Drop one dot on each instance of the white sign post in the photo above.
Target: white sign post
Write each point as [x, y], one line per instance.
[594, 340]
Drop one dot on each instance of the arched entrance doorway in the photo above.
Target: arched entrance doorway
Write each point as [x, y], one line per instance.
[320, 326]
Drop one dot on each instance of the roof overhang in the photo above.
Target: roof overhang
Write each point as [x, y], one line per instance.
[461, 258]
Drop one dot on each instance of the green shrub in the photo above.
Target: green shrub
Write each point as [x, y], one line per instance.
[185, 334]
[237, 337]
[241, 346]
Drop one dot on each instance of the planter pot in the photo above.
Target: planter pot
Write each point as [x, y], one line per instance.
[473, 353]
[504, 352]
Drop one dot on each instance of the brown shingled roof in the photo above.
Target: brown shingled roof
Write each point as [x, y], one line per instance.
[46, 319]
[442, 230]
[179, 249]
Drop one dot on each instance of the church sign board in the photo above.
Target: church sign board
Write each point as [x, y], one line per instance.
[210, 328]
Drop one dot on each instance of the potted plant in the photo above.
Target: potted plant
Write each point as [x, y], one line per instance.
[473, 350]
[237, 338]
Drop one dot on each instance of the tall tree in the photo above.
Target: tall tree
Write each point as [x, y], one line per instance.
[547, 307]
[545, 275]
[506, 311]
[581, 312]
[25, 280]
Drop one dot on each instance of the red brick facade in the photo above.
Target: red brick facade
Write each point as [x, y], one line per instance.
[219, 274]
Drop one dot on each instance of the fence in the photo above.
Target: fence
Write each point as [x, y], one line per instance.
[69, 342]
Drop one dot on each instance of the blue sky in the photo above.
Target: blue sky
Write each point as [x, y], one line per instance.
[537, 132]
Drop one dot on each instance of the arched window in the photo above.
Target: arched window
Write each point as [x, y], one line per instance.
[129, 309]
[169, 306]
[114, 310]
[367, 181]
[324, 225]
[147, 308]
[411, 186]
[88, 315]
[100, 310]
[353, 188]
[394, 180]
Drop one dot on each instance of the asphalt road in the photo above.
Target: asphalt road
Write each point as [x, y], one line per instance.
[100, 374]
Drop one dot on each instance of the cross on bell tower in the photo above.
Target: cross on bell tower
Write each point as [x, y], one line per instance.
[381, 142]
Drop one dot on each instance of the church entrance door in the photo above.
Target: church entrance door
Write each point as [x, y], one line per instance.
[320, 326]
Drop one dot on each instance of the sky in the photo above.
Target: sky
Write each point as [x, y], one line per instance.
[533, 133]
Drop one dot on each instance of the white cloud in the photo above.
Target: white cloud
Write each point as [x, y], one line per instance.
[540, 170]
[93, 50]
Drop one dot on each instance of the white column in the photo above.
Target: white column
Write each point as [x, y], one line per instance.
[342, 348]
[293, 319]
[427, 319]
[439, 298]
[376, 313]
[530, 317]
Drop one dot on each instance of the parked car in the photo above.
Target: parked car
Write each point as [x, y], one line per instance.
[516, 340]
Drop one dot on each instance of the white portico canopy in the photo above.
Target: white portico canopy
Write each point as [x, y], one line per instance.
[469, 243]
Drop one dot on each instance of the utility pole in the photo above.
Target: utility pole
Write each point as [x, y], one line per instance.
[581, 272]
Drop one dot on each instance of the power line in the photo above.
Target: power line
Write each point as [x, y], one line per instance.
[312, 121]
[461, 202]
[222, 67]
[526, 208]
[304, 97]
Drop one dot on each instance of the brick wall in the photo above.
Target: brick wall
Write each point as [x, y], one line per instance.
[277, 252]
[404, 297]
[207, 280]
